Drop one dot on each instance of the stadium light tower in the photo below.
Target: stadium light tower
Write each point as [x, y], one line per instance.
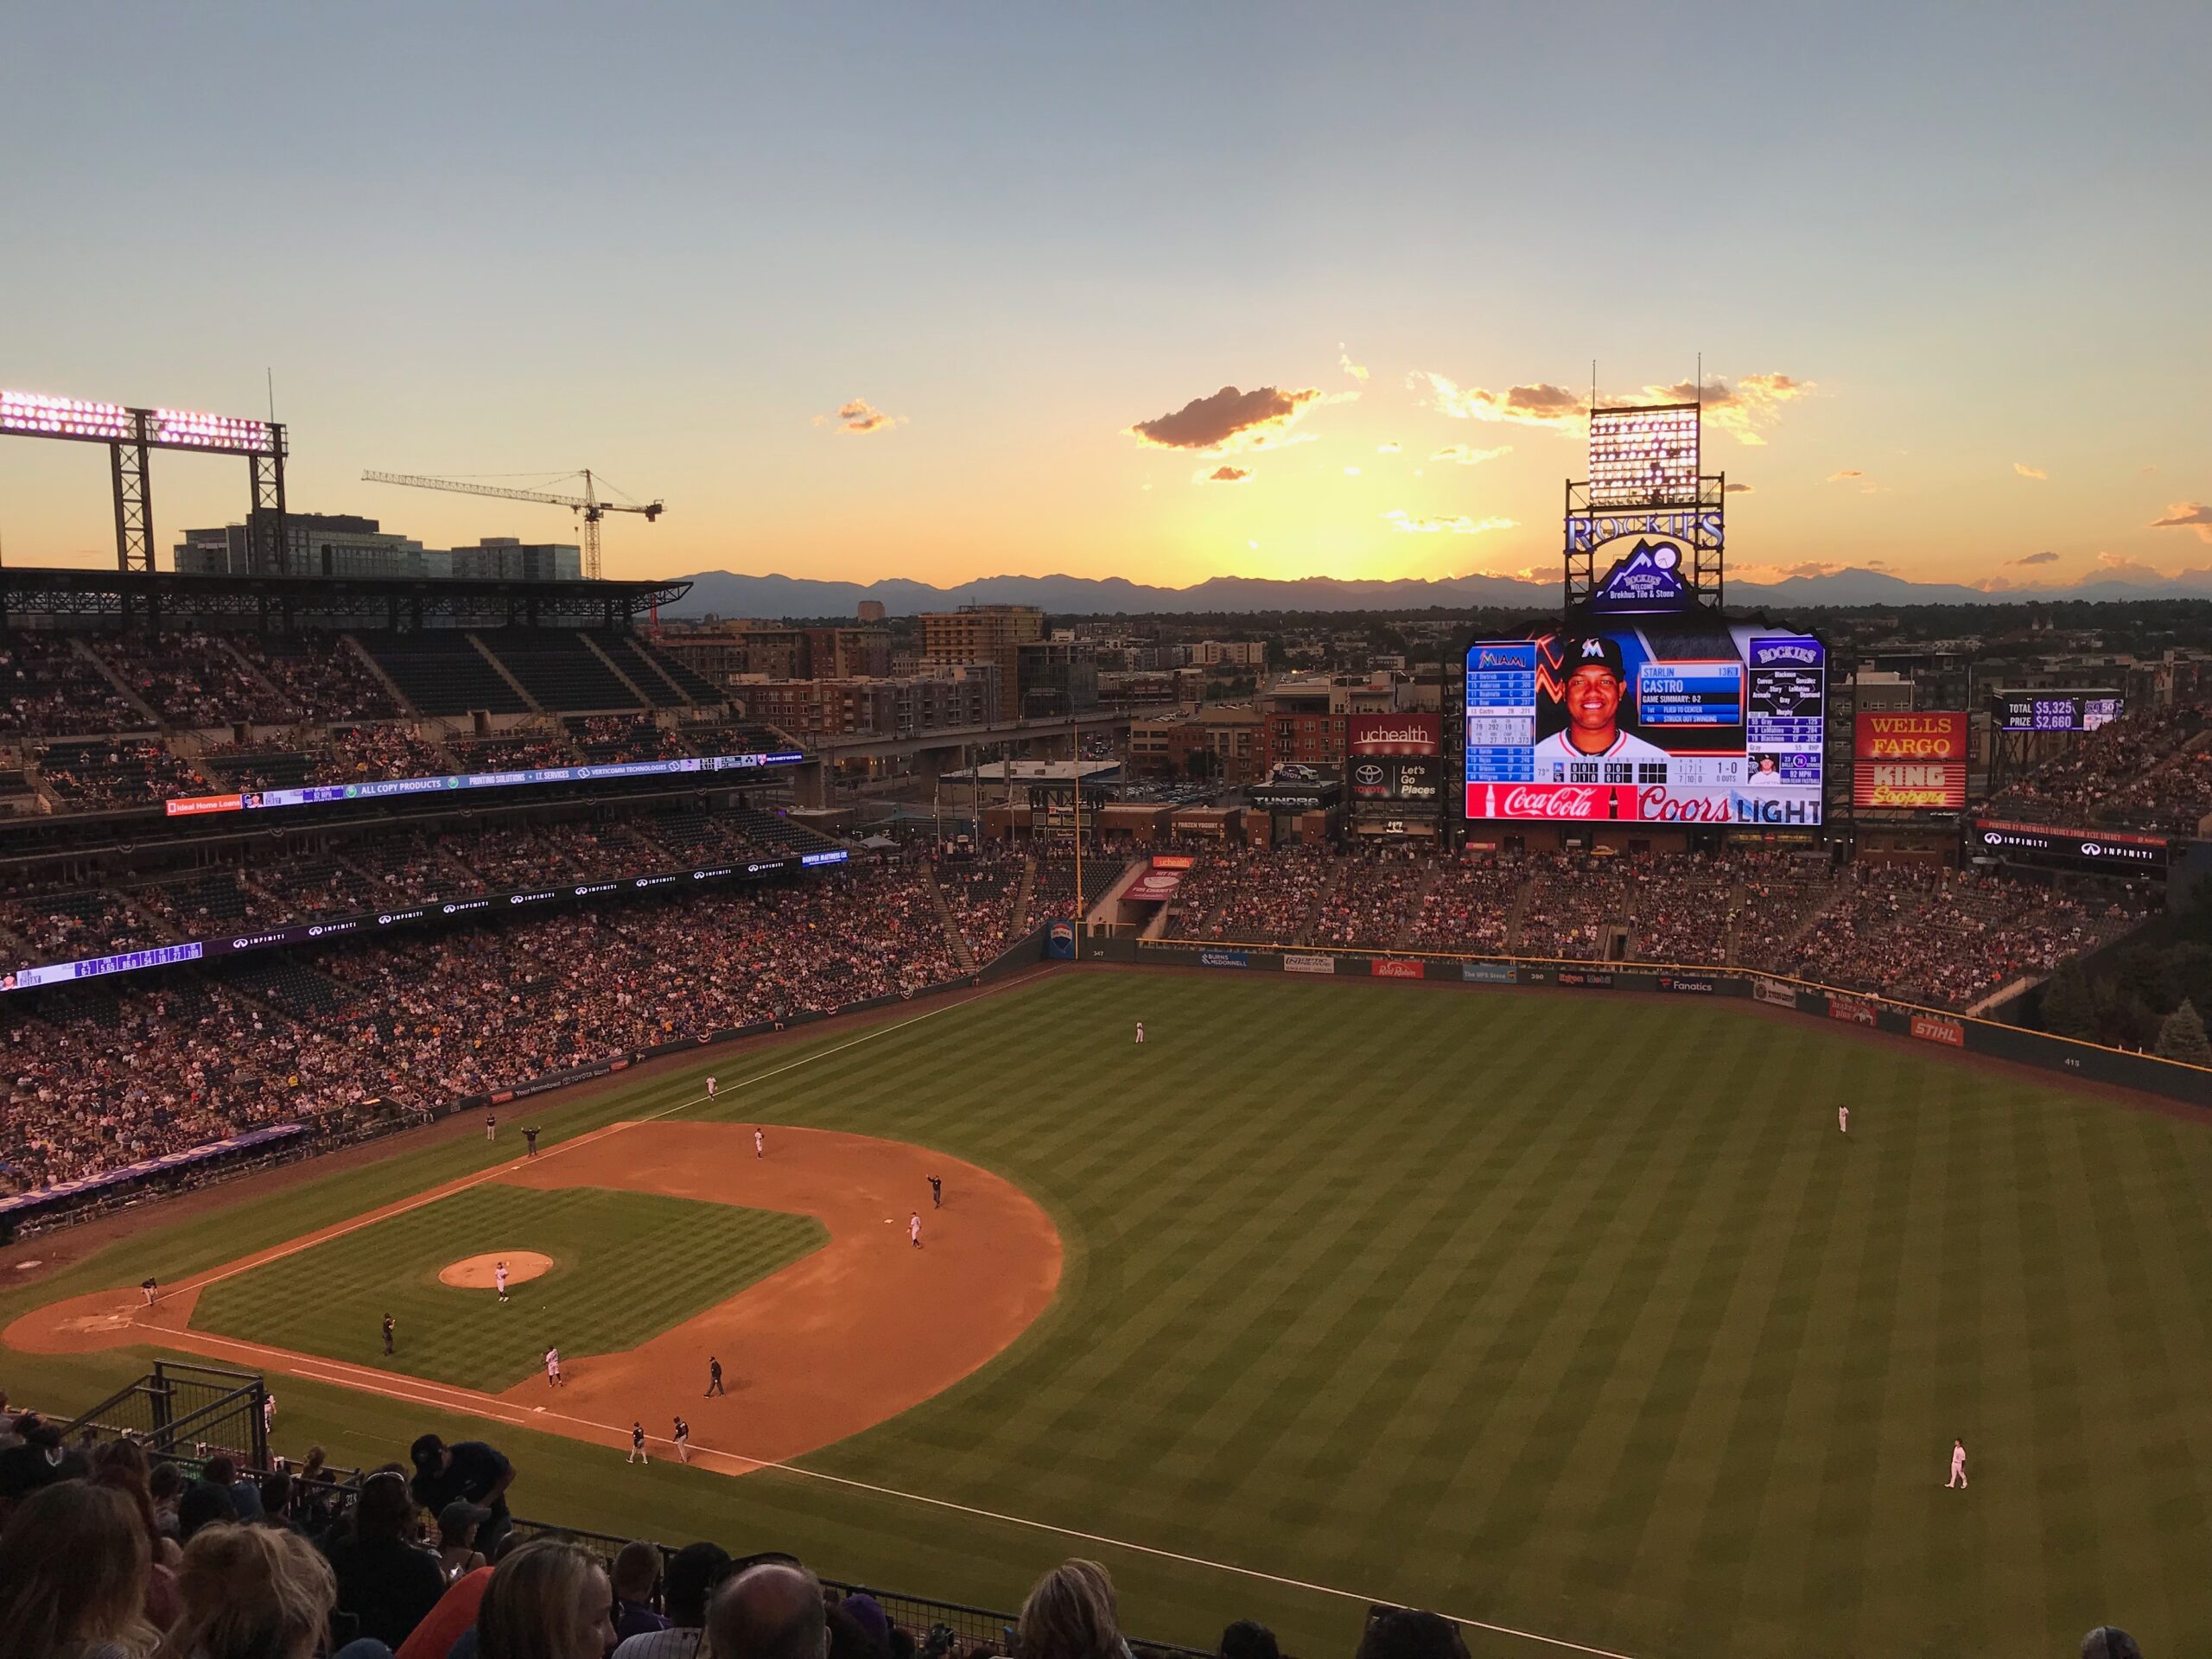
[131, 434]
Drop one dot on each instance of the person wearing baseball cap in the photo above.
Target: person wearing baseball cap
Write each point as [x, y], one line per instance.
[1596, 679]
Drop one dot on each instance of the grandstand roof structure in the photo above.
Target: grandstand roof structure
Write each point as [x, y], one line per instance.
[155, 599]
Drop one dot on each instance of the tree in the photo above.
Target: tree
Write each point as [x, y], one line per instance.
[2069, 1008]
[2181, 1036]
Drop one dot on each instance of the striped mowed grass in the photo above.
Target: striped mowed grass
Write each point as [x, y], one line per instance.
[626, 1266]
[1574, 1314]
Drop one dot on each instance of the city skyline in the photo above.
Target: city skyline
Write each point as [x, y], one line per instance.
[1153, 295]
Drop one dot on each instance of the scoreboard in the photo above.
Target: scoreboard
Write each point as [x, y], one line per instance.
[2057, 711]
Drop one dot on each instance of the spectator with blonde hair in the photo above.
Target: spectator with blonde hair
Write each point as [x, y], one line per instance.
[1070, 1615]
[253, 1592]
[74, 1566]
[546, 1599]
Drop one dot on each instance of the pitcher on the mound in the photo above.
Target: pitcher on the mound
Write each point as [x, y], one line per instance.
[499, 1278]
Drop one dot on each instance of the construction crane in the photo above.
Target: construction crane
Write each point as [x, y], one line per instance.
[589, 504]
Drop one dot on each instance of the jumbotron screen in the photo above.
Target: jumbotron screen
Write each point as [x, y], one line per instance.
[1725, 726]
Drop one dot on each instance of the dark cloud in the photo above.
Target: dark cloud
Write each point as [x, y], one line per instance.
[1227, 416]
[1737, 489]
[2045, 557]
[2187, 515]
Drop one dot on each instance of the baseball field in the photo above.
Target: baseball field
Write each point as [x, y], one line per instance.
[1572, 1314]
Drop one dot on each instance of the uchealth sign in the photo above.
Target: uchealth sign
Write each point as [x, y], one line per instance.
[1402, 734]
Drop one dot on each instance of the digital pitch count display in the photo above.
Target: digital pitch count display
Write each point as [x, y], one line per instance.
[1725, 726]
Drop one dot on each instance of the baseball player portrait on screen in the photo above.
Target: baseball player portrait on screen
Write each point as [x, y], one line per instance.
[1596, 682]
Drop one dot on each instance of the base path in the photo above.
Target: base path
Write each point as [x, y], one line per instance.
[844, 1338]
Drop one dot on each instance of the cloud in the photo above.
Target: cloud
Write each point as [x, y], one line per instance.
[1737, 489]
[2045, 557]
[2187, 515]
[1400, 520]
[1231, 421]
[1743, 409]
[1464, 454]
[860, 417]
[1225, 475]
[2026, 471]
[1848, 472]
[1351, 472]
[1390, 448]
[2119, 564]
[1357, 372]
[1540, 404]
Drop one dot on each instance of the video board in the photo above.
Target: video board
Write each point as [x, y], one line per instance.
[1396, 757]
[2057, 711]
[1909, 760]
[1719, 725]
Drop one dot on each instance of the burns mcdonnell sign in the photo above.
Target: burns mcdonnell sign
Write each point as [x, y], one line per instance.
[1909, 760]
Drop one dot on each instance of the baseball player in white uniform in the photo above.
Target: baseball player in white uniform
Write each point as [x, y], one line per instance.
[1958, 1465]
[499, 1278]
[914, 1229]
[552, 1368]
[1843, 1119]
[1140, 1031]
[1595, 683]
[710, 1088]
[760, 1144]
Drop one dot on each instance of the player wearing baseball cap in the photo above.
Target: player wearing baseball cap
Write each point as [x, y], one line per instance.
[1595, 682]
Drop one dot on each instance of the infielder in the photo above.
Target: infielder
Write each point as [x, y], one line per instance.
[682, 1439]
[760, 1144]
[552, 1368]
[491, 1123]
[637, 1445]
[151, 1292]
[1958, 1465]
[914, 1229]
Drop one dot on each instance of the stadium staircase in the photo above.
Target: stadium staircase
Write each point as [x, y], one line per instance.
[506, 674]
[690, 688]
[1403, 938]
[953, 937]
[629, 682]
[106, 671]
[1513, 918]
[1024, 897]
[1736, 897]
[377, 671]
[245, 665]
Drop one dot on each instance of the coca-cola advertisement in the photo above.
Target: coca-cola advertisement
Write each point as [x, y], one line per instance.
[1687, 720]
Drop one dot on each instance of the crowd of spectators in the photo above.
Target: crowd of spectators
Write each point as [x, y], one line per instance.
[49, 689]
[59, 924]
[2128, 771]
[193, 679]
[1254, 895]
[361, 754]
[110, 1073]
[108, 1552]
[511, 752]
[1370, 902]
[1572, 898]
[1469, 906]
[115, 772]
[615, 740]
[980, 895]
[320, 680]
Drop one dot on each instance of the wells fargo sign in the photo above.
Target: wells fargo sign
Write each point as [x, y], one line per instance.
[1910, 760]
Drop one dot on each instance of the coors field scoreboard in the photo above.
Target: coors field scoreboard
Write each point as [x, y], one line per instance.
[1724, 725]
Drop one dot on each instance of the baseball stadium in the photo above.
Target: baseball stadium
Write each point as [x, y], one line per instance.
[1679, 1188]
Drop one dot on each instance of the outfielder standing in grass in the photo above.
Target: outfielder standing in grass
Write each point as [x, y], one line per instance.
[390, 1325]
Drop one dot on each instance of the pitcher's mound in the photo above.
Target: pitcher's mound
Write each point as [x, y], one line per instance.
[477, 1272]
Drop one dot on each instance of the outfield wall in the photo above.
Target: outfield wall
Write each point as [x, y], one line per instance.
[2171, 1078]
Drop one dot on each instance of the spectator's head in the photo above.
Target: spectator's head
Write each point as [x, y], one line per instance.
[1407, 1633]
[546, 1599]
[165, 1482]
[120, 1465]
[73, 1562]
[770, 1612]
[312, 1469]
[386, 1509]
[219, 1471]
[2109, 1641]
[1070, 1615]
[636, 1572]
[276, 1494]
[850, 1639]
[693, 1572]
[458, 1521]
[203, 1505]
[252, 1592]
[1249, 1639]
[428, 1455]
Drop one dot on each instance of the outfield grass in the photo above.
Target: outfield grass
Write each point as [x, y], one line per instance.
[626, 1266]
[1573, 1314]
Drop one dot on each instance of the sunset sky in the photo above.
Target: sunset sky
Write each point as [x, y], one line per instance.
[951, 291]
